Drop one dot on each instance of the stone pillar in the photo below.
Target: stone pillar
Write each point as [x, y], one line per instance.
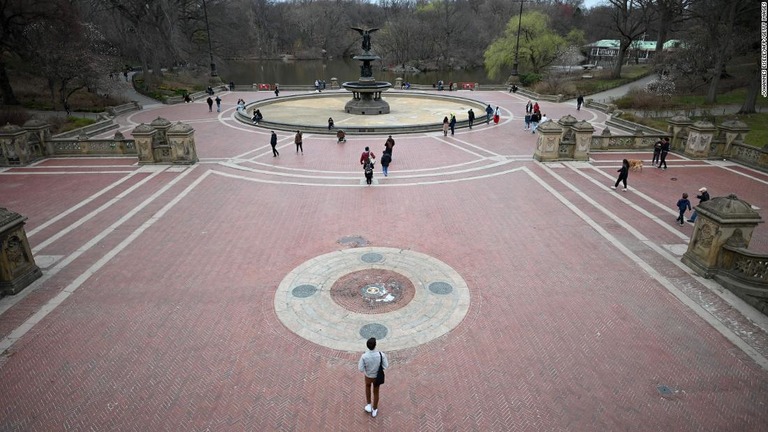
[567, 138]
[335, 83]
[720, 220]
[548, 143]
[678, 129]
[699, 138]
[398, 83]
[17, 265]
[144, 136]
[161, 125]
[14, 148]
[732, 131]
[181, 138]
[582, 132]
[604, 140]
[39, 133]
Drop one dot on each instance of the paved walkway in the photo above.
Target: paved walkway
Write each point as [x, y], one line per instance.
[508, 294]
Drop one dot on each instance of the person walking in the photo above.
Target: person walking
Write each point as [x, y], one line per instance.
[369, 366]
[664, 152]
[497, 115]
[297, 141]
[703, 197]
[330, 123]
[529, 107]
[445, 126]
[386, 159]
[488, 114]
[218, 104]
[273, 143]
[535, 117]
[209, 101]
[367, 154]
[579, 102]
[623, 174]
[389, 145]
[527, 121]
[683, 204]
[452, 124]
[471, 116]
[536, 108]
[277, 90]
[657, 152]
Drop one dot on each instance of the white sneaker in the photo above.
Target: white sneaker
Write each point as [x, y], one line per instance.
[368, 408]
[374, 412]
[624, 190]
[613, 187]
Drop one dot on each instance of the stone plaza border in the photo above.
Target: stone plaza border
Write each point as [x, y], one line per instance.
[440, 303]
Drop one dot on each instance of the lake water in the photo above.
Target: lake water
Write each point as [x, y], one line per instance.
[307, 71]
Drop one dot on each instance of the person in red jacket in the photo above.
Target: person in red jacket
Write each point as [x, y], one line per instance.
[367, 154]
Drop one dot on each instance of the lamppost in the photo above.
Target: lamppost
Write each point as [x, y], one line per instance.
[517, 43]
[210, 48]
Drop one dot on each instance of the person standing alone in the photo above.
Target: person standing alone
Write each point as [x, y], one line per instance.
[471, 116]
[579, 102]
[369, 366]
[297, 140]
[683, 204]
[273, 143]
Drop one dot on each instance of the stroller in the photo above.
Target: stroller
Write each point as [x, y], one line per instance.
[341, 136]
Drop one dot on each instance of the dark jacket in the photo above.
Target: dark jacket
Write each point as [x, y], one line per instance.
[471, 115]
[703, 197]
[665, 147]
[273, 140]
[623, 171]
[386, 159]
[683, 204]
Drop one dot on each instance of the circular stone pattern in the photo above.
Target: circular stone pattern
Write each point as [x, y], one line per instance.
[372, 291]
[440, 288]
[304, 291]
[428, 299]
[374, 330]
[372, 258]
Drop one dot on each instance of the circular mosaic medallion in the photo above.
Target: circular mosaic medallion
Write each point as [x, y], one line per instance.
[372, 291]
[330, 299]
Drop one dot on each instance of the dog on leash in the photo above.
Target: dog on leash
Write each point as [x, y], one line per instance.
[636, 165]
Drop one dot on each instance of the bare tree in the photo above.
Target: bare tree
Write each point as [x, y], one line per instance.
[630, 20]
[669, 13]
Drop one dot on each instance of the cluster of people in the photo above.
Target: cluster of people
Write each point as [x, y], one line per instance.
[368, 160]
[440, 85]
[533, 116]
[491, 113]
[319, 85]
[660, 152]
[241, 105]
[448, 124]
[257, 117]
[209, 101]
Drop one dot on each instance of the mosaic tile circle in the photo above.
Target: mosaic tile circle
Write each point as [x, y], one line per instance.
[414, 297]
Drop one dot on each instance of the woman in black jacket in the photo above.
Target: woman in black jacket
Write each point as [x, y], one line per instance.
[623, 174]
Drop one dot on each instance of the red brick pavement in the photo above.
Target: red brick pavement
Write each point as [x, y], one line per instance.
[565, 331]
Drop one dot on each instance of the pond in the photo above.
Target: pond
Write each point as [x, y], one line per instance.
[294, 72]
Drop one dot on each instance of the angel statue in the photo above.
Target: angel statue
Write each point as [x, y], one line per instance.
[366, 37]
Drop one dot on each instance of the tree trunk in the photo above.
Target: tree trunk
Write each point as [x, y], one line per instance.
[721, 41]
[619, 59]
[715, 82]
[752, 91]
[665, 22]
[5, 87]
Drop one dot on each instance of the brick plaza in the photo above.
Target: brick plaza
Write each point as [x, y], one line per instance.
[157, 309]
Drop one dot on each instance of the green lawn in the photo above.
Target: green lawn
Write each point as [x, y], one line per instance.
[734, 97]
[74, 123]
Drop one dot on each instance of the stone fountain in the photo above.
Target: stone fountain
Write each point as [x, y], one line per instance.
[366, 91]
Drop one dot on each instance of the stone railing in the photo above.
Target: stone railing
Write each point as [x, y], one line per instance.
[746, 274]
[630, 126]
[748, 155]
[80, 147]
[124, 108]
[90, 130]
[608, 142]
[600, 106]
[533, 95]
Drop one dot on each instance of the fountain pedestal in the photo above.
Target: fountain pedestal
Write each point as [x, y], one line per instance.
[366, 91]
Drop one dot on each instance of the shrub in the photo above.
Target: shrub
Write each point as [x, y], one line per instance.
[529, 79]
